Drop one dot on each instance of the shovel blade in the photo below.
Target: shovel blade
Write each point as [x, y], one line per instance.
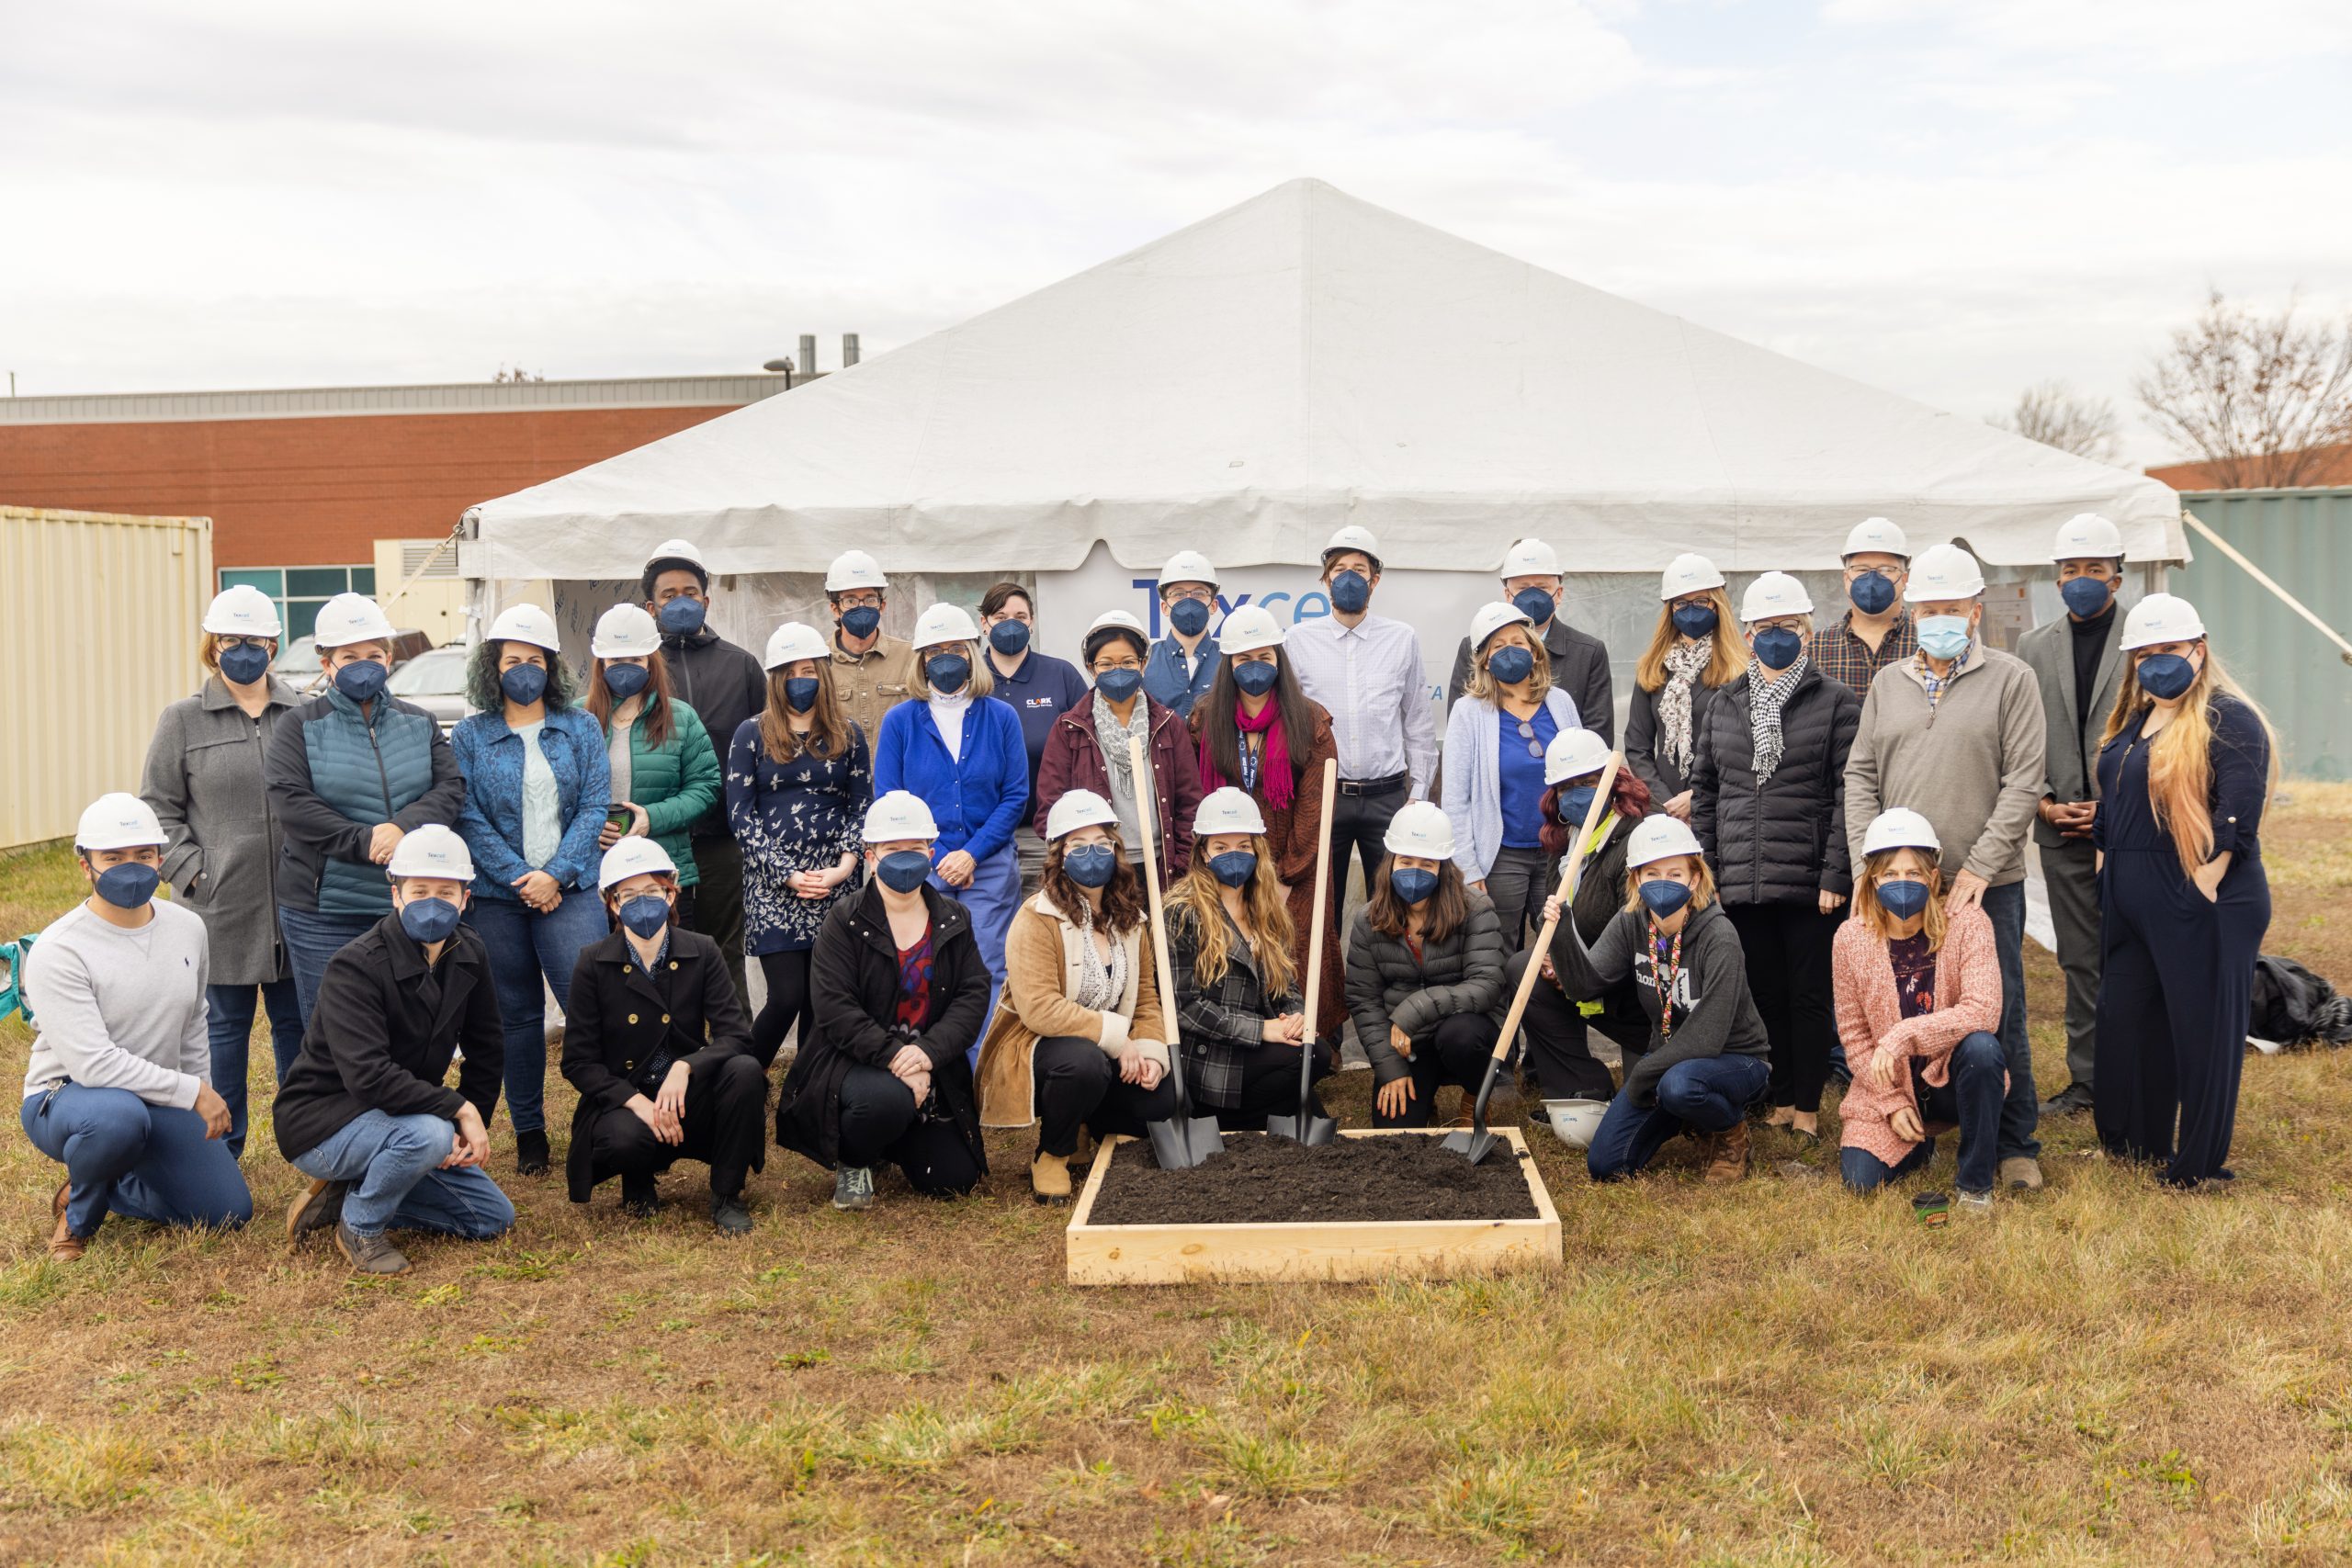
[1311, 1131]
[1182, 1141]
[1474, 1143]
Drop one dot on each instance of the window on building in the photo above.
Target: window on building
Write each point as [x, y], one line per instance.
[301, 589]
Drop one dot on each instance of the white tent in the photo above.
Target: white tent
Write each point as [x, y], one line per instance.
[1303, 360]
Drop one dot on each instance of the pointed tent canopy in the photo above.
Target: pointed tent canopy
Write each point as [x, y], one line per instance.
[1301, 361]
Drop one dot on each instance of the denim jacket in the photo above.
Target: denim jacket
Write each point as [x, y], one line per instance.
[491, 757]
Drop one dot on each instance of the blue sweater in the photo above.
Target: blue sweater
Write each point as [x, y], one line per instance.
[491, 756]
[977, 796]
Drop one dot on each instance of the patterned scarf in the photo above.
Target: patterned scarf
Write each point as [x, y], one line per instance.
[1684, 661]
[1102, 983]
[1273, 762]
[1765, 699]
[1114, 737]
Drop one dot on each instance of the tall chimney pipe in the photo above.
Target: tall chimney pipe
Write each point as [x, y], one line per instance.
[849, 349]
[808, 355]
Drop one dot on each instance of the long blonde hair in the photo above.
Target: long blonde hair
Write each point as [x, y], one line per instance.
[1874, 915]
[2180, 759]
[1483, 685]
[1730, 659]
[1265, 918]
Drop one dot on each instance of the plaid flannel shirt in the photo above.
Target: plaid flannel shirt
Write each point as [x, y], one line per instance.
[1837, 653]
[1217, 1023]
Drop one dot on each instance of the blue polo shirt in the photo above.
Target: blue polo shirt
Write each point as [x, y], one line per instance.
[1040, 692]
[1168, 682]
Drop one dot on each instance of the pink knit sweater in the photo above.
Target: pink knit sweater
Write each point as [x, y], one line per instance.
[1871, 1021]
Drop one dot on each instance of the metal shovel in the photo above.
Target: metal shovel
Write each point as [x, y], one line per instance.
[1184, 1140]
[1305, 1128]
[1475, 1141]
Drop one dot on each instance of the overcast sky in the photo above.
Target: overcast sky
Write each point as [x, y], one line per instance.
[1947, 198]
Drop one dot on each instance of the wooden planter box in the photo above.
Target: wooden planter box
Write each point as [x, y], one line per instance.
[1343, 1251]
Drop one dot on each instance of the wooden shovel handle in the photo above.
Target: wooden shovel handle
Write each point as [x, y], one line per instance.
[1146, 798]
[1568, 894]
[1311, 982]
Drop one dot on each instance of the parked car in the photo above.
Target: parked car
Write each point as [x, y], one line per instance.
[436, 681]
[298, 662]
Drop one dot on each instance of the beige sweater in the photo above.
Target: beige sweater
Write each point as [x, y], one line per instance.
[1041, 969]
[1971, 763]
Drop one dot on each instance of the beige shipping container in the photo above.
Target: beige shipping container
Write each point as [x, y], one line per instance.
[100, 632]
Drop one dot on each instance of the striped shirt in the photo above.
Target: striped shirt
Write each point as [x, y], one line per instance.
[1837, 653]
[1369, 677]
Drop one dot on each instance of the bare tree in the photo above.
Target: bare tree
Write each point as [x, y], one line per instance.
[2258, 399]
[2056, 415]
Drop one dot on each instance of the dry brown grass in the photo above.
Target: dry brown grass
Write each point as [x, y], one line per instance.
[1777, 1373]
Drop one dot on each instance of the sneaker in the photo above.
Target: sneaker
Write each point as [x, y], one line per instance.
[2021, 1171]
[369, 1254]
[854, 1188]
[1050, 1177]
[2072, 1101]
[63, 1245]
[639, 1197]
[728, 1217]
[319, 1208]
[1726, 1155]
[1974, 1202]
[531, 1154]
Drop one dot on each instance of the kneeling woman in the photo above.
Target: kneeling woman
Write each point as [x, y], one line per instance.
[1918, 988]
[1238, 1002]
[1081, 1041]
[1425, 971]
[656, 1044]
[898, 991]
[1707, 1059]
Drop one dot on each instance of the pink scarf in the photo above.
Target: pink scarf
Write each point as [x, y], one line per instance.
[1274, 781]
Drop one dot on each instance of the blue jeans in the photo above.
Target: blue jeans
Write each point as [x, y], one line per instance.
[2021, 1111]
[126, 1157]
[393, 1166]
[229, 1021]
[991, 901]
[1709, 1093]
[525, 948]
[1970, 1099]
[312, 939]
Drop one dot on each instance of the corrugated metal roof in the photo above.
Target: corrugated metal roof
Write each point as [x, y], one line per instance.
[451, 397]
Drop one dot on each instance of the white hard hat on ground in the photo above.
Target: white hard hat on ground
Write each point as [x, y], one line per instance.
[527, 622]
[117, 821]
[2161, 617]
[1492, 618]
[1188, 566]
[791, 642]
[1772, 595]
[1422, 829]
[2087, 537]
[243, 610]
[1876, 535]
[1659, 837]
[432, 851]
[1227, 811]
[898, 815]
[944, 624]
[1900, 828]
[1943, 572]
[853, 570]
[625, 631]
[1572, 755]
[1574, 1122]
[1688, 574]
[1531, 557]
[347, 619]
[1079, 808]
[1250, 629]
[1353, 537]
[633, 857]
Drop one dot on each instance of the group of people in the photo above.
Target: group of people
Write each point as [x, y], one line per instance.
[943, 852]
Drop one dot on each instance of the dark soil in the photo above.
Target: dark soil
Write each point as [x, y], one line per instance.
[1261, 1179]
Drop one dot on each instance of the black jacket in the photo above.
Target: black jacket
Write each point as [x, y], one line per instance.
[1782, 841]
[377, 1042]
[724, 685]
[1386, 985]
[1579, 667]
[620, 1017]
[853, 996]
[1645, 743]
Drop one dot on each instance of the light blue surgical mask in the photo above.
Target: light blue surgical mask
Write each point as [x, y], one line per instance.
[1944, 636]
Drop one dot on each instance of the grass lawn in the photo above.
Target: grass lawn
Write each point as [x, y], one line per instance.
[1775, 1373]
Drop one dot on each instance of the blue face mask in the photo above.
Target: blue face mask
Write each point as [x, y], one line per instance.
[2085, 597]
[1008, 638]
[1256, 676]
[1510, 666]
[1090, 865]
[1119, 685]
[127, 885]
[1575, 802]
[1664, 898]
[1694, 620]
[1534, 604]
[683, 617]
[1902, 899]
[624, 680]
[362, 682]
[2166, 675]
[862, 622]
[524, 685]
[1189, 616]
[1777, 646]
[1412, 885]
[1350, 592]
[947, 672]
[903, 871]
[1944, 636]
[242, 663]
[646, 914]
[1873, 593]
[800, 692]
[1235, 867]
[428, 919]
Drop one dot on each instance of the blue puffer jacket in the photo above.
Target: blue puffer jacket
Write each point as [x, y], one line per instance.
[332, 775]
[491, 755]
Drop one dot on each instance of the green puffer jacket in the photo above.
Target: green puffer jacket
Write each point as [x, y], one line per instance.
[676, 783]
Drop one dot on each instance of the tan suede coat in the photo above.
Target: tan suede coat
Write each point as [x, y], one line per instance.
[1041, 969]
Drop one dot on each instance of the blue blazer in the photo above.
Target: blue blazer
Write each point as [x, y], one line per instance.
[978, 796]
[491, 757]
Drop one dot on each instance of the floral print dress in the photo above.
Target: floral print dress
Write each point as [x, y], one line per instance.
[793, 816]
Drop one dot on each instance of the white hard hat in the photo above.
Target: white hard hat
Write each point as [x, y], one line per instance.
[1772, 595]
[1876, 535]
[243, 610]
[678, 550]
[1900, 828]
[1572, 755]
[527, 622]
[117, 821]
[1118, 620]
[625, 631]
[1420, 828]
[1079, 808]
[347, 619]
[1688, 574]
[1492, 618]
[853, 570]
[432, 851]
[1576, 1122]
[1659, 837]
[2161, 617]
[1352, 538]
[1531, 557]
[1941, 572]
[633, 857]
[2087, 535]
[1188, 566]
[944, 624]
[898, 815]
[794, 641]
[1227, 811]
[1250, 629]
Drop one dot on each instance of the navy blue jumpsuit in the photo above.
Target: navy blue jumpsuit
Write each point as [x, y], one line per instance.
[2177, 974]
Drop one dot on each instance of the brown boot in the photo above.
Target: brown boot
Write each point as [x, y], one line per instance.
[1466, 1113]
[1050, 1177]
[1726, 1154]
[63, 1245]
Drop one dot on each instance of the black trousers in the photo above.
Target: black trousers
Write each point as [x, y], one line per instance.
[1788, 973]
[1555, 1046]
[1456, 1053]
[1270, 1088]
[788, 1005]
[1079, 1085]
[881, 1124]
[718, 904]
[723, 1124]
[1359, 823]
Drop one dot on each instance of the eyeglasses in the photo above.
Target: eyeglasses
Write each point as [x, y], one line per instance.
[1130, 664]
[868, 599]
[1206, 595]
[1527, 733]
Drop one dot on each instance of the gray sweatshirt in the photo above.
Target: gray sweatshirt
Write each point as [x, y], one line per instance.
[1713, 1014]
[120, 1009]
[1971, 763]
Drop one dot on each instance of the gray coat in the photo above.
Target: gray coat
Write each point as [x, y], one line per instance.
[1386, 985]
[203, 781]
[2071, 768]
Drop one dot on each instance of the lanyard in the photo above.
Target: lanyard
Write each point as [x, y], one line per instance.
[1666, 973]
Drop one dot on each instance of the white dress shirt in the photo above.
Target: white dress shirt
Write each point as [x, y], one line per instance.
[1369, 676]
